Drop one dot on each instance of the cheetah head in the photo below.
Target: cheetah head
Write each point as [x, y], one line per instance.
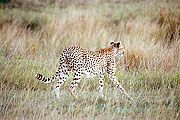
[118, 48]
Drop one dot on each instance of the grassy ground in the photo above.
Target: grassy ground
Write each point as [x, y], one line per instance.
[33, 34]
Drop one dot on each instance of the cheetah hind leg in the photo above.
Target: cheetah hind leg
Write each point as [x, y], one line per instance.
[76, 79]
[63, 75]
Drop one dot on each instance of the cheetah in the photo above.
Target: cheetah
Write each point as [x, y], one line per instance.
[89, 63]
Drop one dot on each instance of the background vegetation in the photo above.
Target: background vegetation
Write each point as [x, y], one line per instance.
[33, 34]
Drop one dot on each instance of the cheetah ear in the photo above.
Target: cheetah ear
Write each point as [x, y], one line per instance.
[111, 43]
[118, 44]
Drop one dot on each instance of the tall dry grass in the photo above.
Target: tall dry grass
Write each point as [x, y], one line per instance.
[33, 34]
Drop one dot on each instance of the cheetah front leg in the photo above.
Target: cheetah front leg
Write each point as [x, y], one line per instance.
[101, 84]
[112, 77]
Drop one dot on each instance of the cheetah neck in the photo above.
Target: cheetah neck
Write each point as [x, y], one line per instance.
[108, 50]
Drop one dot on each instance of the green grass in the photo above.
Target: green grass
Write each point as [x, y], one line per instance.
[33, 35]
[42, 104]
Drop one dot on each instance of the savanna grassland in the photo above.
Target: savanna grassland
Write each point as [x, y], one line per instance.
[34, 32]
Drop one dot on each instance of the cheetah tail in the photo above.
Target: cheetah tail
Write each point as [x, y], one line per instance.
[44, 79]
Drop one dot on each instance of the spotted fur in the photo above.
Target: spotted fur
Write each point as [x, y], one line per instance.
[85, 62]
